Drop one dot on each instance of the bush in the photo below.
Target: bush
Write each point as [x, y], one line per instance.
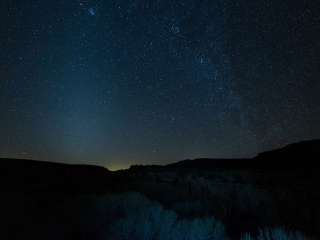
[275, 234]
[137, 218]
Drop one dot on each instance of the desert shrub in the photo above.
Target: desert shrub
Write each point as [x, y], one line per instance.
[135, 217]
[198, 229]
[275, 234]
[247, 236]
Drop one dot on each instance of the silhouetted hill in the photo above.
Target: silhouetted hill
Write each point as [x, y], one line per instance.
[301, 155]
[73, 200]
[30, 175]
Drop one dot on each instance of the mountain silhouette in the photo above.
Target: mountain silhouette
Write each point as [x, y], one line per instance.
[30, 175]
[293, 156]
[43, 196]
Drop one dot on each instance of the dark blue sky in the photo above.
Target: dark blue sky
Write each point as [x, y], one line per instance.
[123, 82]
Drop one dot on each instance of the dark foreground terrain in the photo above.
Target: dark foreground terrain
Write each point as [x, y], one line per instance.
[274, 196]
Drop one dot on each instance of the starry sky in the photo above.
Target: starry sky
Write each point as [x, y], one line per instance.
[121, 82]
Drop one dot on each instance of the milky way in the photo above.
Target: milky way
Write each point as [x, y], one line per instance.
[124, 82]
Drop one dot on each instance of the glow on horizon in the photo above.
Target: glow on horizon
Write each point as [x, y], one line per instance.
[117, 166]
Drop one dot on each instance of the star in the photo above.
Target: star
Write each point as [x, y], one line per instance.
[92, 11]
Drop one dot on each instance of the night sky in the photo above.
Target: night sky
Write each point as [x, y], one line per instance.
[121, 82]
